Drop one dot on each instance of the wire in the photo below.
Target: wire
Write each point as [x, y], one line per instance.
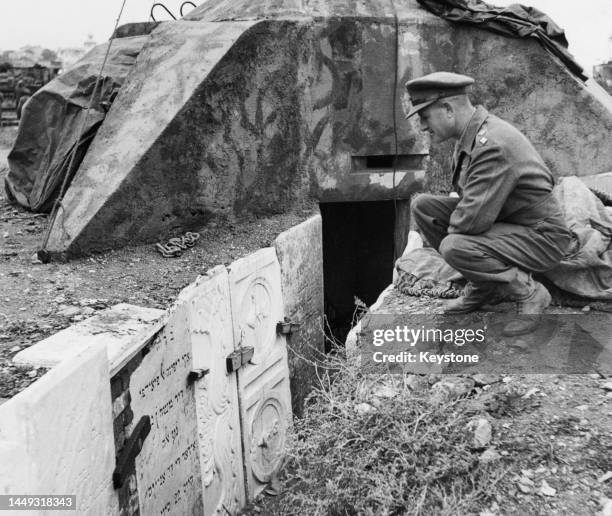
[165, 9]
[183, 5]
[395, 137]
[58, 201]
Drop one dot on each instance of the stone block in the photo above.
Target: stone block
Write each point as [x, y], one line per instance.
[13, 468]
[263, 382]
[167, 468]
[218, 419]
[125, 168]
[300, 255]
[566, 119]
[63, 430]
[121, 330]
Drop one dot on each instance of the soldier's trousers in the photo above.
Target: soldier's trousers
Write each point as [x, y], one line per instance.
[504, 254]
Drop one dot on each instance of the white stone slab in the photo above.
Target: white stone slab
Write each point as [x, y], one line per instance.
[263, 384]
[220, 446]
[13, 469]
[168, 466]
[300, 255]
[122, 329]
[61, 428]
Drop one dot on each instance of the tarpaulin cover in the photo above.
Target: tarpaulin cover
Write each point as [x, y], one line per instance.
[516, 20]
[53, 117]
[588, 271]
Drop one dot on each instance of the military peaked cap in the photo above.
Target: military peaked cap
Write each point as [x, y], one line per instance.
[425, 90]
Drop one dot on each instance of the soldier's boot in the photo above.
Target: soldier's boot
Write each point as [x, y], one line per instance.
[532, 298]
[474, 296]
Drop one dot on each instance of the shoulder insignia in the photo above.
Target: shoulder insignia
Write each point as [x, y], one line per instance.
[483, 140]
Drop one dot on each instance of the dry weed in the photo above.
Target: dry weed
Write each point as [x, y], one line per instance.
[369, 445]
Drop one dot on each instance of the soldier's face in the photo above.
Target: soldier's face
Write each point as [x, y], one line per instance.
[438, 122]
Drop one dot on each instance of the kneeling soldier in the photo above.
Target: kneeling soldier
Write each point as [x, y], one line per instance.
[505, 224]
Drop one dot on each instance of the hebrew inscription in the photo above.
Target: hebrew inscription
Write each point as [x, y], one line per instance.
[167, 468]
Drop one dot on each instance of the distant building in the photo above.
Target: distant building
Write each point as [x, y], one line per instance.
[60, 58]
[69, 56]
[32, 56]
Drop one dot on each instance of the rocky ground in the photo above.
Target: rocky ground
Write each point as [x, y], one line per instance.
[37, 300]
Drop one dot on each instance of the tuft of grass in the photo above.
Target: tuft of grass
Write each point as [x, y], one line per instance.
[369, 445]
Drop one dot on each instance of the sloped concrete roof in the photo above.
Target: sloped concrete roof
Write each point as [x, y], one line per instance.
[224, 10]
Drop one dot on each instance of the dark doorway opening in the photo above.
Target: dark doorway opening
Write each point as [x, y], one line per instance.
[358, 257]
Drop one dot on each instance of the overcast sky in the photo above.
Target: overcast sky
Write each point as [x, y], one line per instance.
[66, 23]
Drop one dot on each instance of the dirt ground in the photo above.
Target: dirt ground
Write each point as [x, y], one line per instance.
[37, 300]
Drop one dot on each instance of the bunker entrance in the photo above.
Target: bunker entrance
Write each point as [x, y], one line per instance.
[358, 257]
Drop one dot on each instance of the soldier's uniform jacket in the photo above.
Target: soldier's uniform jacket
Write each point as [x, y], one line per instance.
[500, 177]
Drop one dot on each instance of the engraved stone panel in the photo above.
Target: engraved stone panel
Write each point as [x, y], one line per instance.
[263, 384]
[167, 468]
[300, 254]
[216, 395]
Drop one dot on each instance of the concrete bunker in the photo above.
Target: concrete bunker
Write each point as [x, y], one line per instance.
[257, 109]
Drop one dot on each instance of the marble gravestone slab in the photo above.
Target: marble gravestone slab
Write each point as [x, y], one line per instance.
[56, 436]
[119, 329]
[300, 254]
[263, 383]
[167, 468]
[216, 393]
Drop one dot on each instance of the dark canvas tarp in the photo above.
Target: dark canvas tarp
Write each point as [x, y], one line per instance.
[53, 117]
[516, 20]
